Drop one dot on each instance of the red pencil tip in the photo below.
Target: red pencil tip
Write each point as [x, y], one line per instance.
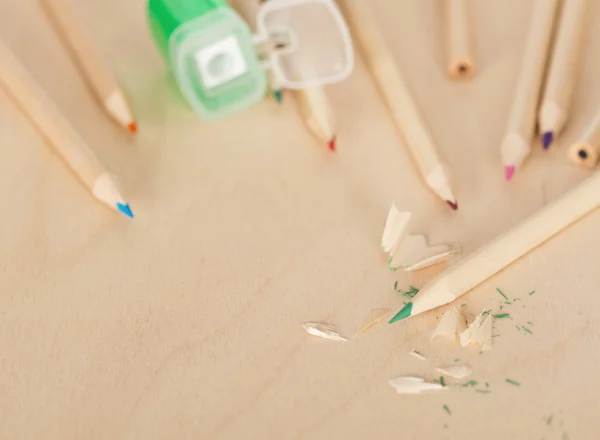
[331, 144]
[453, 205]
[132, 127]
[508, 172]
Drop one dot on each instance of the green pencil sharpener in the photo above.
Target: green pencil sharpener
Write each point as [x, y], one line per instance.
[221, 68]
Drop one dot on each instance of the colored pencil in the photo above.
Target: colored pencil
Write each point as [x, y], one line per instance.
[100, 79]
[585, 153]
[43, 114]
[459, 47]
[318, 114]
[556, 103]
[398, 98]
[503, 251]
[520, 129]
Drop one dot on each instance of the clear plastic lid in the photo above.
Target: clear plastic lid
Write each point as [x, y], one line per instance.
[312, 42]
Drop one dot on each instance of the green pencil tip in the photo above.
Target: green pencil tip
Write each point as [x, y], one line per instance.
[278, 95]
[404, 313]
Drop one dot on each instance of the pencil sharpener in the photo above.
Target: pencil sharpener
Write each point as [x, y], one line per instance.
[221, 68]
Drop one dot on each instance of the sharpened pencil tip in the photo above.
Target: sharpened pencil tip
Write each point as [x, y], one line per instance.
[404, 313]
[331, 144]
[132, 128]
[453, 205]
[278, 95]
[125, 209]
[508, 172]
[547, 139]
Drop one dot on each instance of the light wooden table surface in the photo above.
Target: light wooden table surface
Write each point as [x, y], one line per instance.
[185, 323]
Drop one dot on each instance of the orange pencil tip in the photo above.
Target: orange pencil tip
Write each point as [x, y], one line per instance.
[331, 144]
[132, 127]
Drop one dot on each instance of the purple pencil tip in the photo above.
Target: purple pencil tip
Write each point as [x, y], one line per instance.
[547, 139]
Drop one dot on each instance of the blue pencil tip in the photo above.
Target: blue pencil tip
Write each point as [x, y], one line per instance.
[278, 95]
[125, 209]
[547, 139]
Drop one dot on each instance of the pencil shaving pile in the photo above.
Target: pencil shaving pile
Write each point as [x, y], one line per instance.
[479, 332]
[410, 252]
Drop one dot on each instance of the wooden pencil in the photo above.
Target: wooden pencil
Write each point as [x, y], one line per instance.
[398, 98]
[42, 112]
[520, 129]
[585, 153]
[459, 47]
[101, 80]
[556, 103]
[503, 251]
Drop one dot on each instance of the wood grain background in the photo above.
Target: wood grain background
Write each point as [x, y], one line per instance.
[185, 323]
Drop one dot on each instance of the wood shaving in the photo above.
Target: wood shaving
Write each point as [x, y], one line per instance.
[410, 252]
[395, 227]
[451, 324]
[324, 331]
[413, 385]
[456, 371]
[374, 318]
[414, 252]
[415, 353]
[430, 261]
[479, 332]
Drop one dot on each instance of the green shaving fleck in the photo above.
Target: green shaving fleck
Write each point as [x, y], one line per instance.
[507, 302]
[529, 322]
[527, 330]
[463, 305]
[457, 360]
[470, 383]
[483, 391]
[487, 385]
[549, 420]
[412, 291]
[502, 315]
[532, 292]
[442, 381]
[481, 352]
[518, 328]
[512, 382]
[495, 336]
[447, 409]
[396, 285]
[500, 292]
[517, 299]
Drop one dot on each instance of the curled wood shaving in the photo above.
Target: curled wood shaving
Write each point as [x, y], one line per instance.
[324, 331]
[413, 385]
[375, 317]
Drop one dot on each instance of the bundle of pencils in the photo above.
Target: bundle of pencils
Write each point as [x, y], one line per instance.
[554, 109]
[43, 114]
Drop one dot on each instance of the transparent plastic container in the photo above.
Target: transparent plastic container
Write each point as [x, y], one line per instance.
[220, 67]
